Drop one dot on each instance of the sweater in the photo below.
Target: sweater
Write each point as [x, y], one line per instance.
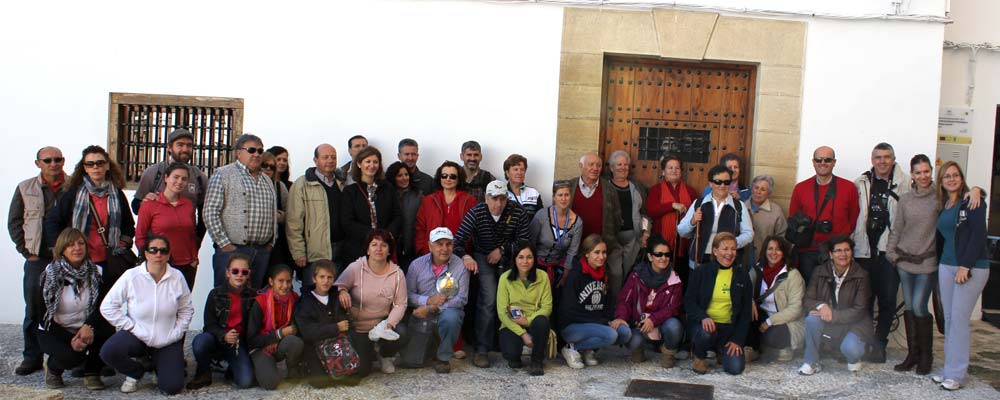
[610, 211]
[542, 235]
[699, 296]
[356, 216]
[157, 313]
[584, 299]
[535, 299]
[432, 215]
[912, 235]
[374, 297]
[487, 234]
[176, 223]
[240, 209]
[842, 210]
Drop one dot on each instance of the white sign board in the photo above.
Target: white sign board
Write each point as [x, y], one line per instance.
[955, 121]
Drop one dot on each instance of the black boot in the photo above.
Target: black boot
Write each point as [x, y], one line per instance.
[912, 346]
[925, 340]
[876, 353]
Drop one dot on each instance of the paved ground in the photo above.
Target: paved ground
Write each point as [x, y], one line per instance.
[608, 380]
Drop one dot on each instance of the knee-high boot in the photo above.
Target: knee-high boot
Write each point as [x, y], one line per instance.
[912, 344]
[925, 340]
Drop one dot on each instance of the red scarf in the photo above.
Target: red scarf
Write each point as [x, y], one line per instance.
[771, 272]
[277, 313]
[597, 274]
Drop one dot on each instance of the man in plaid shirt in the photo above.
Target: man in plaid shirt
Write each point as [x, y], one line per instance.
[241, 211]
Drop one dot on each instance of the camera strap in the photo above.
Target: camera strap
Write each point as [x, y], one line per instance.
[830, 193]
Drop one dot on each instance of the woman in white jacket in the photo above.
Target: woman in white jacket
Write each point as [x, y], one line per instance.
[150, 305]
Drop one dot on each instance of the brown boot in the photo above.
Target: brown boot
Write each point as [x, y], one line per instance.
[700, 365]
[667, 359]
[912, 348]
[925, 342]
[639, 355]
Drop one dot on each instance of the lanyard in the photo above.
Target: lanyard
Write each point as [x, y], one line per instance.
[559, 232]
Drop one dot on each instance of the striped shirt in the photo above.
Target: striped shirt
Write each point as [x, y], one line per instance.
[486, 234]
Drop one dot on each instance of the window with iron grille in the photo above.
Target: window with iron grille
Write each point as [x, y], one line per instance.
[691, 145]
[138, 125]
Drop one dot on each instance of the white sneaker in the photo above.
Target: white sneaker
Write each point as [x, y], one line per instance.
[590, 358]
[854, 367]
[130, 385]
[937, 378]
[951, 384]
[386, 363]
[572, 358]
[807, 369]
[525, 351]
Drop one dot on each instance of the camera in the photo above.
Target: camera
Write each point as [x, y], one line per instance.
[825, 226]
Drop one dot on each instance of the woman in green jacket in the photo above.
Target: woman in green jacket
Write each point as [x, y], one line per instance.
[524, 304]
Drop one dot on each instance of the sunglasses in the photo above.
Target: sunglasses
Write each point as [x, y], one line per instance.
[238, 271]
[824, 160]
[158, 250]
[268, 166]
[449, 176]
[724, 182]
[92, 164]
[660, 254]
[50, 160]
[253, 150]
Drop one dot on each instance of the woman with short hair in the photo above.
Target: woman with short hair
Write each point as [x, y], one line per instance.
[515, 167]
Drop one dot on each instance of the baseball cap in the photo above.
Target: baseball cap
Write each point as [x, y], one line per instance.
[496, 188]
[441, 233]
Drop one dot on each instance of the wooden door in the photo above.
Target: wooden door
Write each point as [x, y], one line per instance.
[698, 111]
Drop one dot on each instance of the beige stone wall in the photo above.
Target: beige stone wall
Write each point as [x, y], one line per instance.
[777, 47]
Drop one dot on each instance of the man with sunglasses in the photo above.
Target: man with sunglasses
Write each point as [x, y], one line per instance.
[830, 202]
[241, 211]
[180, 148]
[33, 199]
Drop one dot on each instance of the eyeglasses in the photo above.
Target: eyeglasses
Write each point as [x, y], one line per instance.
[253, 150]
[92, 164]
[841, 251]
[158, 250]
[50, 160]
[660, 254]
[824, 160]
[238, 271]
[724, 182]
[268, 166]
[950, 176]
[449, 176]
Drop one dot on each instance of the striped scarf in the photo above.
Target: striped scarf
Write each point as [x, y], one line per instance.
[81, 210]
[59, 275]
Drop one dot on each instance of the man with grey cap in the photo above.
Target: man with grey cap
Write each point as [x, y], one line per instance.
[180, 147]
[437, 286]
[495, 228]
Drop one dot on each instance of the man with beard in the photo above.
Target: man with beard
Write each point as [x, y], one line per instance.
[180, 147]
[475, 178]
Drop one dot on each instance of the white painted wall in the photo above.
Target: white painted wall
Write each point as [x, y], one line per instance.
[439, 72]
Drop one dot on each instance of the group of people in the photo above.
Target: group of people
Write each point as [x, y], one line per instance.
[390, 260]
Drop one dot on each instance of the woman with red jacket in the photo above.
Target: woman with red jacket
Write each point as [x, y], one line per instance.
[172, 215]
[445, 207]
[666, 204]
[649, 305]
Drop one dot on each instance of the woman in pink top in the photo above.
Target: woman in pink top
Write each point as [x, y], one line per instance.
[373, 288]
[172, 215]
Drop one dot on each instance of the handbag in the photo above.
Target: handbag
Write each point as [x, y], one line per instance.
[338, 356]
[118, 259]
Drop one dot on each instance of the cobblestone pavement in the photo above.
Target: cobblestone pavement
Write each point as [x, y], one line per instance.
[608, 380]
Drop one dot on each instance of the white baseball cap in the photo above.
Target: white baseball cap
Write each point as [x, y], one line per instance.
[496, 188]
[441, 233]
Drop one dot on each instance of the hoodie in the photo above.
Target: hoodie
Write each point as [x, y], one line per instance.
[374, 297]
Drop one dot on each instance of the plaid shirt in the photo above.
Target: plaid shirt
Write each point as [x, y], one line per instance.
[240, 209]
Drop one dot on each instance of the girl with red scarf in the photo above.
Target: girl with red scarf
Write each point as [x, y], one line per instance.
[777, 291]
[666, 204]
[272, 334]
[585, 310]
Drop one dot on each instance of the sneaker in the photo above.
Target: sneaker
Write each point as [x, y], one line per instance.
[854, 367]
[590, 357]
[525, 351]
[200, 380]
[639, 355]
[28, 367]
[786, 354]
[460, 355]
[535, 368]
[481, 360]
[950, 384]
[750, 354]
[572, 358]
[442, 367]
[807, 369]
[93, 382]
[130, 385]
[54, 380]
[682, 354]
[515, 364]
[937, 378]
[700, 365]
[386, 363]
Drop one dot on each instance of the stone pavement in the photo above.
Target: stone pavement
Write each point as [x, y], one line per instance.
[608, 380]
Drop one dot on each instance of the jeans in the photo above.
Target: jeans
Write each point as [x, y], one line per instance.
[56, 343]
[589, 336]
[808, 260]
[265, 366]
[258, 268]
[32, 280]
[206, 347]
[120, 351]
[916, 291]
[486, 307]
[703, 342]
[448, 324]
[958, 302]
[671, 330]
[366, 348]
[511, 344]
[851, 345]
[885, 284]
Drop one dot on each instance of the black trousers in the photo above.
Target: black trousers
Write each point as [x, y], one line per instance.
[885, 285]
[56, 343]
[776, 336]
[808, 261]
[511, 344]
[366, 348]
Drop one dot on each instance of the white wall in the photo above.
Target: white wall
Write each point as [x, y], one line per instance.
[439, 72]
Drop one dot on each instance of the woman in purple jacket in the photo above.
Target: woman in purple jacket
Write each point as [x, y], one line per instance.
[649, 305]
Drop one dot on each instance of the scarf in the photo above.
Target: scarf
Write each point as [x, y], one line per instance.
[277, 312]
[668, 222]
[81, 210]
[597, 274]
[650, 278]
[771, 272]
[60, 274]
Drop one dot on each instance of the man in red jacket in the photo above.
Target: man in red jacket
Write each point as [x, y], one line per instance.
[830, 201]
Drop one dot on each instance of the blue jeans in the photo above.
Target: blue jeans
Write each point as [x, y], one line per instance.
[258, 268]
[703, 341]
[206, 348]
[449, 328]
[958, 302]
[120, 351]
[589, 336]
[916, 291]
[671, 330]
[851, 345]
[486, 306]
[32, 279]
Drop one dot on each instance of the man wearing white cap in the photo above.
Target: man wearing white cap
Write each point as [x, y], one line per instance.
[437, 287]
[495, 228]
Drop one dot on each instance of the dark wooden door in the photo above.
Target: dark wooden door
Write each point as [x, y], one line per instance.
[698, 111]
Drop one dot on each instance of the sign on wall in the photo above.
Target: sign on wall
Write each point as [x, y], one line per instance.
[954, 135]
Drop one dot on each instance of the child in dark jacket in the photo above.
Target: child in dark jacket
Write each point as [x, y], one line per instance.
[318, 319]
[271, 331]
[586, 309]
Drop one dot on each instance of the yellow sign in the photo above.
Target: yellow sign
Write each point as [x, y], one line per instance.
[954, 139]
